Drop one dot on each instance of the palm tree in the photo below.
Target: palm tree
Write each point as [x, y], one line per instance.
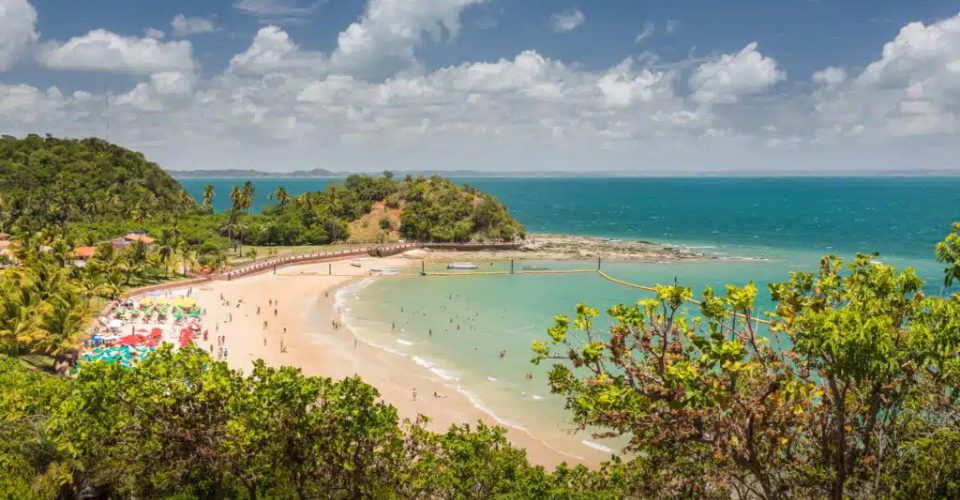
[92, 286]
[167, 247]
[247, 193]
[19, 319]
[62, 324]
[232, 224]
[208, 196]
[236, 197]
[281, 196]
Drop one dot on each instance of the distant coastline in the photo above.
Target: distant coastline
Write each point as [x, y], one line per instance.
[322, 173]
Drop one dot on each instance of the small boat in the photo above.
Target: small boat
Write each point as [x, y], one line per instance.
[461, 266]
[535, 268]
[355, 264]
[385, 271]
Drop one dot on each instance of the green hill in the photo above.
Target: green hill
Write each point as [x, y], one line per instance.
[49, 181]
[366, 208]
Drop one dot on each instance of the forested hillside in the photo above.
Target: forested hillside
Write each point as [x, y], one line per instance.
[50, 181]
[431, 209]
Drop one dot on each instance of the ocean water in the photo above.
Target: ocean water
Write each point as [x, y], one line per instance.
[761, 228]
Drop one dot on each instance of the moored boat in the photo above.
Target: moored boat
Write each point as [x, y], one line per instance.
[461, 266]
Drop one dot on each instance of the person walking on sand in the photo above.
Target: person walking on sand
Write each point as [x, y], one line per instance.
[414, 393]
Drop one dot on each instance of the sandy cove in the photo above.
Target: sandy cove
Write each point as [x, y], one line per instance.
[306, 296]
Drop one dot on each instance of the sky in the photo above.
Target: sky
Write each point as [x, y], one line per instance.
[493, 85]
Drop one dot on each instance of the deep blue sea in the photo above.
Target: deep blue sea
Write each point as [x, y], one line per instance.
[765, 227]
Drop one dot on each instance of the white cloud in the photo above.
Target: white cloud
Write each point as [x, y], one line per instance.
[645, 33]
[912, 90]
[726, 79]
[672, 26]
[386, 37]
[621, 87]
[154, 33]
[830, 76]
[567, 20]
[272, 51]
[101, 50]
[17, 30]
[187, 26]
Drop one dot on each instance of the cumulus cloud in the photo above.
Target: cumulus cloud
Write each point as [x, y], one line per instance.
[911, 90]
[272, 51]
[17, 30]
[102, 50]
[729, 77]
[672, 26]
[186, 26]
[567, 20]
[386, 37]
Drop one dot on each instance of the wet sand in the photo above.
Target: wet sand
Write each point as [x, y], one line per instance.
[306, 307]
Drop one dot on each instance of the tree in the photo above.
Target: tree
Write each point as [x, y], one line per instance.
[64, 322]
[208, 194]
[852, 367]
[281, 196]
[246, 195]
[948, 252]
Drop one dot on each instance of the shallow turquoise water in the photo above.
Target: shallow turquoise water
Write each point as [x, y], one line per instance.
[771, 226]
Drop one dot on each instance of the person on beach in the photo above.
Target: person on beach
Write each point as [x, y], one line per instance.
[274, 312]
[414, 393]
[264, 342]
[258, 310]
[284, 330]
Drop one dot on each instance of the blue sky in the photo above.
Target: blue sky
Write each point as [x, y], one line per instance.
[641, 85]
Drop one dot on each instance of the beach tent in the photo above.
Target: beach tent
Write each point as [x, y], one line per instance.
[129, 340]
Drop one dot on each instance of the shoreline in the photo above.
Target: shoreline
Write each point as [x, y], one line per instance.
[307, 306]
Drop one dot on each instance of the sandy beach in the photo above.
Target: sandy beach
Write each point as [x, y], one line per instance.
[302, 320]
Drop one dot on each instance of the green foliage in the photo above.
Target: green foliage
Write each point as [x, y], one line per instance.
[432, 210]
[851, 391]
[435, 209]
[948, 252]
[49, 182]
[181, 425]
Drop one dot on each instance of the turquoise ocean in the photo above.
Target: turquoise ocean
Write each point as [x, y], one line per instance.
[763, 228]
